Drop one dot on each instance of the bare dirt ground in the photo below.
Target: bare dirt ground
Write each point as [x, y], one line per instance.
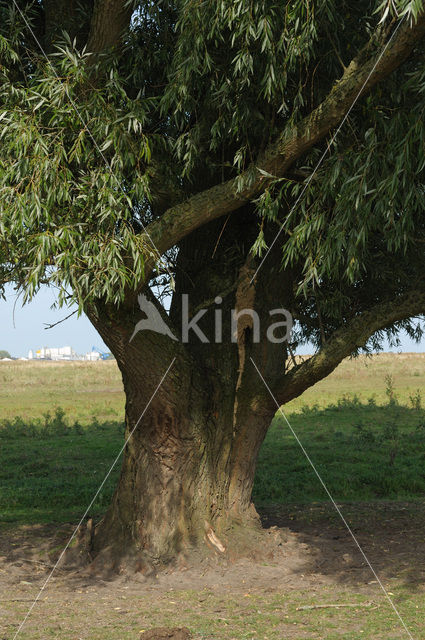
[318, 562]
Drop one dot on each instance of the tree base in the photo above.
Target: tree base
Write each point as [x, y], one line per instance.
[236, 541]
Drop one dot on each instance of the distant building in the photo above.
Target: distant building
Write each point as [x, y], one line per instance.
[93, 356]
[53, 353]
[66, 353]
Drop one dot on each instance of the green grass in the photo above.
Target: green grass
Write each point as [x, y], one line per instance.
[50, 467]
[227, 616]
[84, 389]
[365, 447]
[361, 450]
[365, 377]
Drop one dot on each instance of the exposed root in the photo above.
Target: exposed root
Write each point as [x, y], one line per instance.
[234, 540]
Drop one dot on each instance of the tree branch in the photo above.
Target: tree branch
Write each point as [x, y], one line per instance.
[180, 220]
[346, 340]
[109, 20]
[55, 324]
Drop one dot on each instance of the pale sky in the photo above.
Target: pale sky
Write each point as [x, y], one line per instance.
[22, 328]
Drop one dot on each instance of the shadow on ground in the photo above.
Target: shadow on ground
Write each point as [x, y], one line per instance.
[318, 561]
[391, 535]
[316, 545]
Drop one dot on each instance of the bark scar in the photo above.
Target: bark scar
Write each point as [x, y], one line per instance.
[216, 542]
[245, 299]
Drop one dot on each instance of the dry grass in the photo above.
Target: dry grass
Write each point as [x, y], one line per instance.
[366, 377]
[82, 389]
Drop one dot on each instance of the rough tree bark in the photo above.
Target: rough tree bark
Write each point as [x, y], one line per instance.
[189, 467]
[109, 21]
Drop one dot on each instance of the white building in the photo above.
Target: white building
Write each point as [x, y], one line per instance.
[93, 356]
[64, 353]
[54, 353]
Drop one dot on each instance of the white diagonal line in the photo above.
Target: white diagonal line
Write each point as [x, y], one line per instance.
[328, 146]
[85, 125]
[93, 499]
[338, 510]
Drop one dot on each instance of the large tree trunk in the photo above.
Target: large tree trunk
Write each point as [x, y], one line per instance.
[189, 466]
[188, 469]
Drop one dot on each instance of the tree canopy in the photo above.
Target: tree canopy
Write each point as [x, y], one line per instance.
[107, 157]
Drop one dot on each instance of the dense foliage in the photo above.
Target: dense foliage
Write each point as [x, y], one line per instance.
[93, 149]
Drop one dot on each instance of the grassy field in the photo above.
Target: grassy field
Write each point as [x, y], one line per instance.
[364, 428]
[61, 427]
[82, 389]
[366, 377]
[87, 389]
[229, 616]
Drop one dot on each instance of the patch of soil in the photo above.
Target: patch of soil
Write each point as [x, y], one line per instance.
[317, 552]
[166, 634]
[389, 533]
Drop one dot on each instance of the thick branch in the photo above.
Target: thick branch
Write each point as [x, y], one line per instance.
[180, 220]
[349, 338]
[109, 21]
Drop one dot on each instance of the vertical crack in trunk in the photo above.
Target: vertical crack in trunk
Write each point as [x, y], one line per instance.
[188, 470]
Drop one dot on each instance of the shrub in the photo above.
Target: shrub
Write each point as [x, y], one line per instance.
[415, 400]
